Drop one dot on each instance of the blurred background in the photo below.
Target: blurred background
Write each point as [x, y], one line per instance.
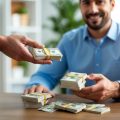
[42, 20]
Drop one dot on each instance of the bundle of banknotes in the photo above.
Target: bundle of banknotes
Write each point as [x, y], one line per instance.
[73, 80]
[71, 107]
[75, 107]
[35, 100]
[46, 53]
[97, 108]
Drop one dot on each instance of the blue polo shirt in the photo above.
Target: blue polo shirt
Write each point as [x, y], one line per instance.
[82, 53]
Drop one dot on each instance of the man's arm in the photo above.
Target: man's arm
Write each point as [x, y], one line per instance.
[15, 46]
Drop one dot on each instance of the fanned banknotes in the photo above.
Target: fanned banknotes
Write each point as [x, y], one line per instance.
[35, 100]
[74, 107]
[71, 107]
[46, 53]
[73, 80]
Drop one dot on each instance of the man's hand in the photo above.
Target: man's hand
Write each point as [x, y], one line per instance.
[38, 88]
[102, 90]
[15, 46]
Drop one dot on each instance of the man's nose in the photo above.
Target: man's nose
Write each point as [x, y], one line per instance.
[93, 8]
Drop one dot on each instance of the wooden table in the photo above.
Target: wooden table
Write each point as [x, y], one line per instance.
[11, 108]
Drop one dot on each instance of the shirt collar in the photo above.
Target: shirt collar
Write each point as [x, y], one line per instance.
[112, 33]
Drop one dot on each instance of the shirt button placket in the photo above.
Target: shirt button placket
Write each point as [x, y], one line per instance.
[98, 60]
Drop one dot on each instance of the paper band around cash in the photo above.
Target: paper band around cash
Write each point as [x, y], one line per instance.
[40, 95]
[47, 52]
[66, 105]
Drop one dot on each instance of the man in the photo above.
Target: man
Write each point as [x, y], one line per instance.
[14, 46]
[93, 48]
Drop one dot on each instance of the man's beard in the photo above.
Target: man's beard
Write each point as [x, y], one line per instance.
[94, 24]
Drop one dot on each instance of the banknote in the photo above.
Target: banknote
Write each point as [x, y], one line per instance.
[48, 108]
[75, 107]
[28, 104]
[46, 53]
[71, 107]
[73, 80]
[36, 97]
[97, 108]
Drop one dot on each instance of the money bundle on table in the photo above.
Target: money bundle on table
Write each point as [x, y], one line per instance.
[46, 53]
[71, 107]
[75, 107]
[96, 108]
[35, 100]
[73, 80]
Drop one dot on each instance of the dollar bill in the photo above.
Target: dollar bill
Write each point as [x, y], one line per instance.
[75, 107]
[48, 108]
[73, 80]
[97, 108]
[71, 107]
[46, 53]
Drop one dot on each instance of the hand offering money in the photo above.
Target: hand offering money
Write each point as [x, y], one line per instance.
[46, 53]
[35, 100]
[73, 80]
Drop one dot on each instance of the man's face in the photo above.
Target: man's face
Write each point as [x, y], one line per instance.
[96, 13]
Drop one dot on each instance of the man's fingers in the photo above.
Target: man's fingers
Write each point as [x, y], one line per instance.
[42, 61]
[96, 77]
[91, 89]
[33, 43]
[80, 94]
[97, 96]
[40, 89]
[32, 90]
[26, 91]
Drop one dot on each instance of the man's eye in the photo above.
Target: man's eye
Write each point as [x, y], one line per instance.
[85, 2]
[99, 1]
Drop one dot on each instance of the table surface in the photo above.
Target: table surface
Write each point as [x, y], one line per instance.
[11, 108]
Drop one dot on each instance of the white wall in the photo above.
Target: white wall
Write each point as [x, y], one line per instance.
[116, 11]
[0, 15]
[47, 11]
[0, 53]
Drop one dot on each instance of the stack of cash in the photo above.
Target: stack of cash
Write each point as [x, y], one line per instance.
[35, 100]
[97, 108]
[75, 107]
[71, 107]
[73, 80]
[46, 53]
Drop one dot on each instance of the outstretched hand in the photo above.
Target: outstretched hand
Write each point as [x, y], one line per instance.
[15, 46]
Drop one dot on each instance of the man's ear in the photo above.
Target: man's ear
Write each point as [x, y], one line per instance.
[113, 3]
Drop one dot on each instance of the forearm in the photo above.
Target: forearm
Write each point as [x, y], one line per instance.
[41, 79]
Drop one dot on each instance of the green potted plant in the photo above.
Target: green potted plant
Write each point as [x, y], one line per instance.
[65, 20]
[24, 17]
